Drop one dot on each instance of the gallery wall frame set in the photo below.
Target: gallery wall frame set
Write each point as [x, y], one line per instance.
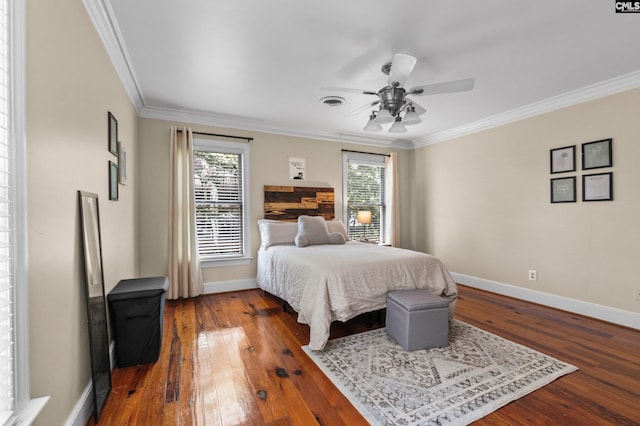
[122, 164]
[113, 181]
[113, 134]
[563, 159]
[117, 171]
[595, 187]
[597, 154]
[563, 190]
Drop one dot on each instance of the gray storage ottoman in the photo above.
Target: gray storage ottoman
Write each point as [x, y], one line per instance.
[417, 319]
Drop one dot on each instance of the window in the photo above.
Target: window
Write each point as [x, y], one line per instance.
[221, 201]
[7, 244]
[363, 183]
[15, 405]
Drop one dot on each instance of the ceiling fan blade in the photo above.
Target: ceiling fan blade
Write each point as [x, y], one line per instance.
[348, 90]
[363, 108]
[446, 87]
[364, 64]
[401, 67]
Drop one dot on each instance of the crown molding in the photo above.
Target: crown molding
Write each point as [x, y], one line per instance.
[101, 15]
[246, 125]
[588, 93]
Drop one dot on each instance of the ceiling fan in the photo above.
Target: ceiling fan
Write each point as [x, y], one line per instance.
[394, 105]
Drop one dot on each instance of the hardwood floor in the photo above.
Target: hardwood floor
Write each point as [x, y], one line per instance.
[235, 359]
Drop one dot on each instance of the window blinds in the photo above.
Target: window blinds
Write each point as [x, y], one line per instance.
[219, 207]
[6, 234]
[365, 191]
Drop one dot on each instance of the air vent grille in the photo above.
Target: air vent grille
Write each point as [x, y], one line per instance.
[332, 101]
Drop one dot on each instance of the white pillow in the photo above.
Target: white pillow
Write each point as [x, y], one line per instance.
[274, 232]
[312, 230]
[336, 225]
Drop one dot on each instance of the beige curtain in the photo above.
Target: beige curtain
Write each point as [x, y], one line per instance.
[392, 221]
[185, 275]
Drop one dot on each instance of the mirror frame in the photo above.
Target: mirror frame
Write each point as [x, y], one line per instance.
[96, 301]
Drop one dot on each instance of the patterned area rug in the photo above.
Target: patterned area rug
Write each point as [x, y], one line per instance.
[476, 374]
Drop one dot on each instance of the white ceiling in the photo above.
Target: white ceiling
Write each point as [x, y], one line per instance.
[259, 65]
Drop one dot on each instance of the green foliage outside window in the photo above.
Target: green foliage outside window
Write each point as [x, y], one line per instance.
[365, 185]
[218, 200]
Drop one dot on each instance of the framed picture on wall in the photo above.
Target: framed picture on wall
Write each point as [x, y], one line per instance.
[296, 168]
[563, 159]
[113, 181]
[597, 187]
[596, 155]
[113, 134]
[122, 164]
[563, 190]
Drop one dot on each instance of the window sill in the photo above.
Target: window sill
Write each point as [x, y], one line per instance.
[232, 261]
[29, 412]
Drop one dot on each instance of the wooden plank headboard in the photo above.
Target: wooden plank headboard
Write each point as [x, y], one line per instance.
[289, 202]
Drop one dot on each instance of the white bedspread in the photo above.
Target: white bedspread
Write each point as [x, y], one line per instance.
[338, 282]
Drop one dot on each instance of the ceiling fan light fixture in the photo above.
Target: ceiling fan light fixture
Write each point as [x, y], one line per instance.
[394, 107]
[397, 126]
[371, 125]
[383, 117]
[411, 117]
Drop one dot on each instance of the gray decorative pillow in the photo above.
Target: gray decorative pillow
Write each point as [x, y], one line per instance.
[336, 238]
[336, 225]
[312, 231]
[301, 241]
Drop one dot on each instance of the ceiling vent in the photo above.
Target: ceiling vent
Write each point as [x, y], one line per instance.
[332, 101]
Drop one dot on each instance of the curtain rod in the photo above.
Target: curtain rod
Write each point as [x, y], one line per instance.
[362, 152]
[219, 135]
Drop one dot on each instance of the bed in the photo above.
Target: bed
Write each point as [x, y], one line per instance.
[327, 282]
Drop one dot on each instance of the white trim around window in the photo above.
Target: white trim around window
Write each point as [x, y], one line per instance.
[25, 409]
[371, 160]
[242, 148]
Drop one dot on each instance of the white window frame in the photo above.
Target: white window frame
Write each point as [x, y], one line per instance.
[25, 409]
[200, 144]
[365, 159]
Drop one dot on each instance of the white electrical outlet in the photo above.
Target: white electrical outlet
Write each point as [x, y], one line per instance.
[636, 295]
[533, 275]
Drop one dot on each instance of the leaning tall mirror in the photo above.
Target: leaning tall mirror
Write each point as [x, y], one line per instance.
[96, 307]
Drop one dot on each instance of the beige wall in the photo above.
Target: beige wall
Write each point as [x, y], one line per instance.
[71, 85]
[484, 205]
[269, 166]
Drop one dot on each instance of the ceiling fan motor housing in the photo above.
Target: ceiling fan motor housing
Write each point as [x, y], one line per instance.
[392, 98]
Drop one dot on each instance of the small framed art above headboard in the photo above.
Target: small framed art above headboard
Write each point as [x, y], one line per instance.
[289, 202]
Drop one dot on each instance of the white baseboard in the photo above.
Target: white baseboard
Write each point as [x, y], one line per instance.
[83, 409]
[223, 286]
[593, 310]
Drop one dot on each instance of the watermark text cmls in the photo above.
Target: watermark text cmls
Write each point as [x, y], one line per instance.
[628, 7]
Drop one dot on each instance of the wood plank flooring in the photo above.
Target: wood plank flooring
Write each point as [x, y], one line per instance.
[235, 359]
